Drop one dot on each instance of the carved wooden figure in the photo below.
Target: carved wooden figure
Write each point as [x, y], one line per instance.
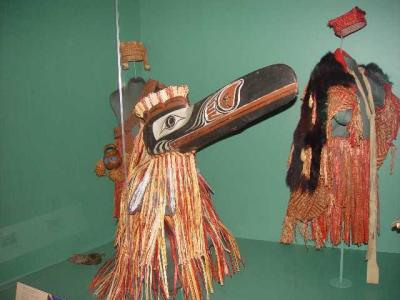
[167, 204]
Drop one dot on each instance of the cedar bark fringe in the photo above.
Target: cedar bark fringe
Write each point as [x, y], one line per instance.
[139, 267]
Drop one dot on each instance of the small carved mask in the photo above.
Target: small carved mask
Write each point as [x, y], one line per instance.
[111, 158]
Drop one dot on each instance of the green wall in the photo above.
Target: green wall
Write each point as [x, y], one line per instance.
[58, 67]
[209, 43]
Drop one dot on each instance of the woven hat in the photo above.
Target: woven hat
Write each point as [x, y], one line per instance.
[349, 22]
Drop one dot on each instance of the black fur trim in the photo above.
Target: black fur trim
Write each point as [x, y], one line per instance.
[376, 73]
[327, 73]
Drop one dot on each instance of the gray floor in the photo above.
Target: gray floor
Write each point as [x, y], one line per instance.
[272, 271]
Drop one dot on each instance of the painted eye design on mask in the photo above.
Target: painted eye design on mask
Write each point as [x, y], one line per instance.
[171, 122]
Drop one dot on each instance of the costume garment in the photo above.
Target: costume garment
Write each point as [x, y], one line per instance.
[349, 119]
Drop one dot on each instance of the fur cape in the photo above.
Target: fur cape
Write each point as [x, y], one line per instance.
[312, 133]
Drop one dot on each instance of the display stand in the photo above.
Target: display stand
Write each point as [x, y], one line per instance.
[340, 282]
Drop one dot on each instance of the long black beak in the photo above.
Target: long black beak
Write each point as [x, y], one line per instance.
[230, 110]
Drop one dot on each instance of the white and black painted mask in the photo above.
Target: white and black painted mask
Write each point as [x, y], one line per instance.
[173, 125]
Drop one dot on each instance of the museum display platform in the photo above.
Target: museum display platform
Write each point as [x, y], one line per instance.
[272, 271]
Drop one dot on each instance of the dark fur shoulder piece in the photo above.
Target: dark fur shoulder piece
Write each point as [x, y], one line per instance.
[376, 73]
[327, 73]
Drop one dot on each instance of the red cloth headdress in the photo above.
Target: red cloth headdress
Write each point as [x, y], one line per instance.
[349, 22]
